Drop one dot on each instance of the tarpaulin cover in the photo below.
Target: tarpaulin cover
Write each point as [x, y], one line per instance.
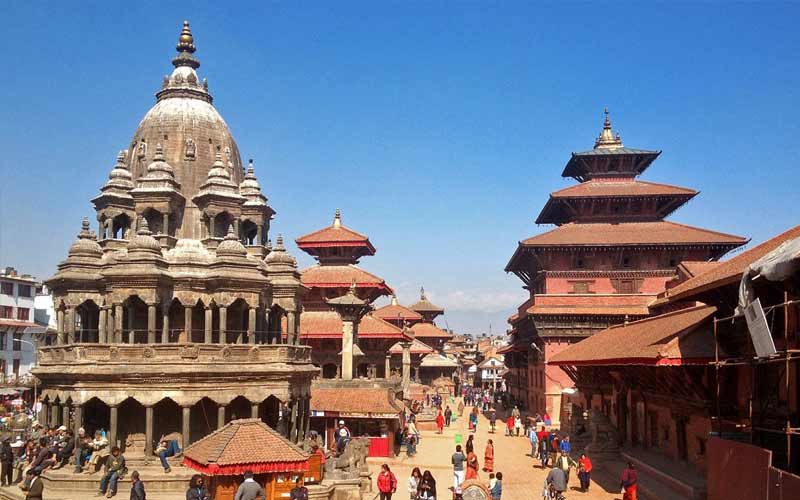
[778, 265]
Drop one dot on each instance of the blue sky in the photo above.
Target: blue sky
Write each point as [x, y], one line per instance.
[439, 128]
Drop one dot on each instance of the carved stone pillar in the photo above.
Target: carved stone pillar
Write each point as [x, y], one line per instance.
[62, 336]
[186, 336]
[76, 426]
[186, 425]
[113, 425]
[387, 366]
[254, 410]
[260, 234]
[71, 325]
[251, 325]
[406, 367]
[291, 327]
[102, 324]
[220, 416]
[347, 349]
[129, 326]
[307, 427]
[303, 411]
[165, 223]
[118, 323]
[148, 431]
[54, 413]
[151, 323]
[212, 226]
[44, 415]
[209, 323]
[223, 324]
[110, 230]
[65, 415]
[293, 421]
[165, 323]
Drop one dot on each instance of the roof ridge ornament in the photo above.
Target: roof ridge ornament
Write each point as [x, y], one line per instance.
[422, 293]
[337, 218]
[185, 49]
[607, 139]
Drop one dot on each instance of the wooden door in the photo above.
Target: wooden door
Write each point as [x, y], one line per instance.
[223, 487]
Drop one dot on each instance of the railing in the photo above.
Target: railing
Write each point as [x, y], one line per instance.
[196, 335]
[173, 353]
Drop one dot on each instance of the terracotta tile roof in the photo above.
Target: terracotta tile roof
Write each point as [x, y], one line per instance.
[695, 267]
[436, 360]
[335, 235]
[395, 312]
[620, 188]
[423, 305]
[417, 347]
[679, 337]
[328, 324]
[364, 401]
[428, 331]
[589, 310]
[729, 271]
[337, 276]
[631, 233]
[590, 305]
[245, 442]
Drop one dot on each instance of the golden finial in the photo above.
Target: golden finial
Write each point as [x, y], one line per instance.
[337, 218]
[186, 40]
[352, 290]
[607, 139]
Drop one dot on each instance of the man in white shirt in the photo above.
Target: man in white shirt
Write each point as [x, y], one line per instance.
[342, 436]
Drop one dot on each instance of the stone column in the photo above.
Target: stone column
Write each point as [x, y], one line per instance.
[347, 350]
[387, 366]
[406, 366]
[211, 226]
[260, 234]
[151, 323]
[148, 431]
[291, 328]
[223, 324]
[44, 415]
[209, 323]
[251, 325]
[110, 230]
[293, 421]
[253, 410]
[62, 337]
[77, 425]
[65, 415]
[131, 333]
[110, 325]
[102, 324]
[301, 426]
[165, 323]
[118, 323]
[186, 425]
[307, 427]
[112, 425]
[71, 325]
[186, 336]
[165, 223]
[54, 415]
[220, 416]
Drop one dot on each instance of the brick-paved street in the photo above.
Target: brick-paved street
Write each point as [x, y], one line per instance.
[522, 480]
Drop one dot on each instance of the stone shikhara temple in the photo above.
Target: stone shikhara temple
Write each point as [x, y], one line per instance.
[177, 316]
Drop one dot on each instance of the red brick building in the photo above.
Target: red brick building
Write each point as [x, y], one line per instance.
[338, 250]
[608, 257]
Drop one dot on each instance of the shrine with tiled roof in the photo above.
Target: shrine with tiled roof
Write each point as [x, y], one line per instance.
[609, 256]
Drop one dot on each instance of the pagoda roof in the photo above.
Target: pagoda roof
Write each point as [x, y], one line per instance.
[336, 235]
[429, 331]
[593, 304]
[630, 234]
[356, 401]
[246, 444]
[677, 338]
[328, 325]
[727, 272]
[436, 360]
[417, 347]
[692, 268]
[342, 276]
[423, 305]
[396, 312]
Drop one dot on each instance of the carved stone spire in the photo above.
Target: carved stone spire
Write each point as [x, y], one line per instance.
[607, 139]
[185, 49]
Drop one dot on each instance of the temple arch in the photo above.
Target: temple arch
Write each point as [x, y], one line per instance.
[134, 320]
[87, 322]
[240, 407]
[131, 424]
[329, 370]
[269, 411]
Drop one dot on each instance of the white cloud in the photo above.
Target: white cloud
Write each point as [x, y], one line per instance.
[486, 301]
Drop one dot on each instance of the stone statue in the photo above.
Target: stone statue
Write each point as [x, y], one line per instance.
[191, 149]
[352, 461]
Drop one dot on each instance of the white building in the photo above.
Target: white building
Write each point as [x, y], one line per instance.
[19, 333]
[492, 370]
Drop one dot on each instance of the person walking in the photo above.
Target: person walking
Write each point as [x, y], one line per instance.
[584, 471]
[564, 463]
[457, 460]
[629, 481]
[387, 483]
[249, 489]
[488, 457]
[197, 489]
[448, 415]
[565, 446]
[461, 408]
[510, 426]
[7, 462]
[556, 483]
[544, 451]
[299, 492]
[497, 487]
[473, 419]
[517, 425]
[470, 444]
[427, 486]
[439, 422]
[137, 487]
[413, 484]
[492, 419]
[472, 465]
[534, 439]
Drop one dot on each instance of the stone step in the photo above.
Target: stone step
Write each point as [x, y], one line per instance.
[154, 477]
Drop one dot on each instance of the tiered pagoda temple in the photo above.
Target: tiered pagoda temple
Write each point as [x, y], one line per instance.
[338, 250]
[609, 256]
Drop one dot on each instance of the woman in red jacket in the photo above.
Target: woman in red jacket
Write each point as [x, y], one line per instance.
[387, 483]
[440, 422]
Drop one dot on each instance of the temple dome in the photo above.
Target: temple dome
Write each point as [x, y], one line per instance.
[86, 245]
[231, 246]
[144, 241]
[279, 255]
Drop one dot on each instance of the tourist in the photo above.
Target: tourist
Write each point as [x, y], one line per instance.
[412, 430]
[249, 489]
[197, 490]
[556, 483]
[565, 445]
[470, 447]
[342, 436]
[584, 471]
[457, 460]
[83, 443]
[544, 450]
[473, 418]
[25, 454]
[448, 415]
[630, 478]
[6, 462]
[99, 449]
[534, 439]
[66, 451]
[44, 457]
[472, 465]
[427, 486]
[488, 457]
[115, 467]
[564, 463]
[387, 483]
[137, 487]
[439, 422]
[35, 486]
[167, 448]
[515, 412]
[547, 421]
[492, 419]
[299, 492]
[510, 426]
[461, 408]
[413, 483]
[517, 425]
[497, 488]
[411, 445]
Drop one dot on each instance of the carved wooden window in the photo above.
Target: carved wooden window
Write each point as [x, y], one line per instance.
[581, 286]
